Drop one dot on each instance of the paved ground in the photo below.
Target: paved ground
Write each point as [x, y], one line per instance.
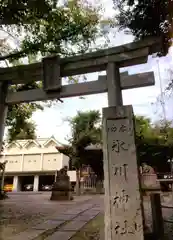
[167, 200]
[34, 217]
[25, 211]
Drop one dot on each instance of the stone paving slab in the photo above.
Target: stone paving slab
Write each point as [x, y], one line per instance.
[68, 230]
[78, 217]
[62, 217]
[85, 218]
[96, 208]
[73, 212]
[73, 226]
[61, 236]
[27, 235]
[48, 225]
[89, 213]
[78, 210]
[20, 215]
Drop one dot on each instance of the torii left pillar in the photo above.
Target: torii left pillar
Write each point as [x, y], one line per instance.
[3, 114]
[3, 110]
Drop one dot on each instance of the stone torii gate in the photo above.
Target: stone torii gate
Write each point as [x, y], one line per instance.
[123, 209]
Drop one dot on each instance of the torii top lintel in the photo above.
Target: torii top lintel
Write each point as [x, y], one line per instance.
[124, 55]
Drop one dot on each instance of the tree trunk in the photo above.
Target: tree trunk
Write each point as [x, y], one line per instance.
[78, 192]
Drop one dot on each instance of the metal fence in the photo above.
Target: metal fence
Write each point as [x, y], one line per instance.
[92, 185]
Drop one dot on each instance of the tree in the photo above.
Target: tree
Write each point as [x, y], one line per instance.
[142, 126]
[85, 129]
[18, 120]
[49, 28]
[146, 18]
[21, 11]
[24, 130]
[164, 130]
[159, 132]
[150, 143]
[154, 143]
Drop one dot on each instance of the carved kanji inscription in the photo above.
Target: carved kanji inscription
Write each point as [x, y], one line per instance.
[121, 171]
[123, 201]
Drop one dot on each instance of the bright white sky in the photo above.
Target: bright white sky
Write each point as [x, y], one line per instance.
[51, 121]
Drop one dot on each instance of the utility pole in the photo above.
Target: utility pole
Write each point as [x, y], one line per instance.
[162, 102]
[161, 92]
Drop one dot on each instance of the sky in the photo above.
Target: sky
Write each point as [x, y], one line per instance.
[53, 121]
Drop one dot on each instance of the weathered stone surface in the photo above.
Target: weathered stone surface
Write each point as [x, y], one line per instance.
[61, 188]
[48, 224]
[26, 210]
[150, 181]
[28, 235]
[93, 211]
[60, 217]
[84, 218]
[90, 214]
[74, 211]
[60, 195]
[123, 216]
[51, 73]
[78, 210]
[61, 235]
[73, 226]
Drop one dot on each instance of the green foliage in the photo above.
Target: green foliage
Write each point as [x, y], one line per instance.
[143, 126]
[26, 130]
[160, 132]
[147, 18]
[20, 12]
[49, 28]
[86, 130]
[18, 116]
[164, 131]
[73, 25]
[53, 29]
[154, 142]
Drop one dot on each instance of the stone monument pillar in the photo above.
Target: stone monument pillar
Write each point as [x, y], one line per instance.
[61, 189]
[123, 210]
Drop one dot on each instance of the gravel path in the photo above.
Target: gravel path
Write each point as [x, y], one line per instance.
[21, 212]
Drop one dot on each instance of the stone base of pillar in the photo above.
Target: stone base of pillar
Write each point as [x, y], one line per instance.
[62, 188]
[61, 196]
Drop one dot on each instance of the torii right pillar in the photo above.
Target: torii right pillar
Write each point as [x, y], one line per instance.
[123, 203]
